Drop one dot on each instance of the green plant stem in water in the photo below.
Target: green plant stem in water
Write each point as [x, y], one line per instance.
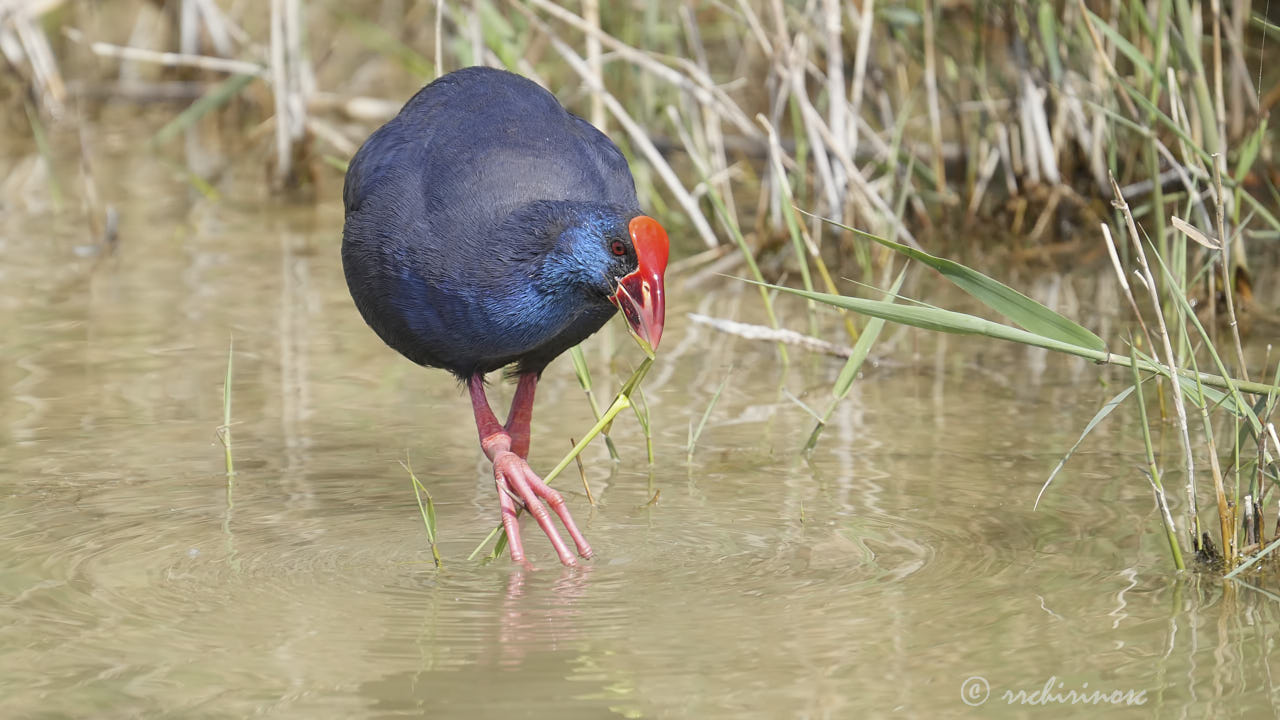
[428, 510]
[849, 373]
[584, 379]
[1153, 471]
[695, 433]
[224, 432]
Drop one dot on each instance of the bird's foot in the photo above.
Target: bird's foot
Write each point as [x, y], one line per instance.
[517, 483]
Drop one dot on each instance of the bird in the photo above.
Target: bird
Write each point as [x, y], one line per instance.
[488, 228]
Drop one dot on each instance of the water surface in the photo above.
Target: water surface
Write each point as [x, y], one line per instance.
[875, 578]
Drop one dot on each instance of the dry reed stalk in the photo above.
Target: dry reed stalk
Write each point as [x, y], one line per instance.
[637, 134]
[882, 208]
[1124, 283]
[24, 44]
[765, 333]
[837, 105]
[694, 81]
[931, 96]
[775, 159]
[1219, 99]
[591, 15]
[986, 171]
[171, 59]
[1228, 284]
[1226, 521]
[439, 38]
[711, 130]
[1184, 434]
[819, 139]
[290, 86]
[1039, 137]
[863, 48]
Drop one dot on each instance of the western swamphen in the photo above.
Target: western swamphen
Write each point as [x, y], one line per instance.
[488, 227]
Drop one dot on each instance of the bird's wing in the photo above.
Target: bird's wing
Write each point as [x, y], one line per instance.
[491, 141]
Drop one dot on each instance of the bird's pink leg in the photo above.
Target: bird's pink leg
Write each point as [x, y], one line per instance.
[514, 477]
[522, 414]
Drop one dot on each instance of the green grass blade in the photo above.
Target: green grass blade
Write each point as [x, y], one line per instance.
[1232, 386]
[1153, 471]
[947, 321]
[1022, 310]
[696, 432]
[1049, 40]
[584, 379]
[224, 432]
[427, 509]
[1255, 559]
[1128, 49]
[852, 366]
[218, 96]
[1098, 417]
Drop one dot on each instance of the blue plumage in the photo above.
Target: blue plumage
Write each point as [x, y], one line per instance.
[479, 223]
[487, 227]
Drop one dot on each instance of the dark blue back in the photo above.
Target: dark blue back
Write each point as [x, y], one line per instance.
[430, 263]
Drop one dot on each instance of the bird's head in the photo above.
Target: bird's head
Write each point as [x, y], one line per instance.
[622, 258]
[640, 294]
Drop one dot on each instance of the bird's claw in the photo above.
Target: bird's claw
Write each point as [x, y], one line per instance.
[517, 481]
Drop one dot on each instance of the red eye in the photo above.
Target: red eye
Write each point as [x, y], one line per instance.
[618, 248]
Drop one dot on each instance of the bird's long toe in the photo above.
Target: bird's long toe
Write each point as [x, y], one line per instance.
[557, 503]
[510, 522]
[513, 472]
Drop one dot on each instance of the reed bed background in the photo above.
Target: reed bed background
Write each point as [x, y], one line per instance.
[1131, 135]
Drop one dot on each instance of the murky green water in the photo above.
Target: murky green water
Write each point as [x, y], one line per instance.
[876, 578]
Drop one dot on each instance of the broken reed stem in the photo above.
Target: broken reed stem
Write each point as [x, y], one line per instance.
[1124, 283]
[170, 59]
[1184, 434]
